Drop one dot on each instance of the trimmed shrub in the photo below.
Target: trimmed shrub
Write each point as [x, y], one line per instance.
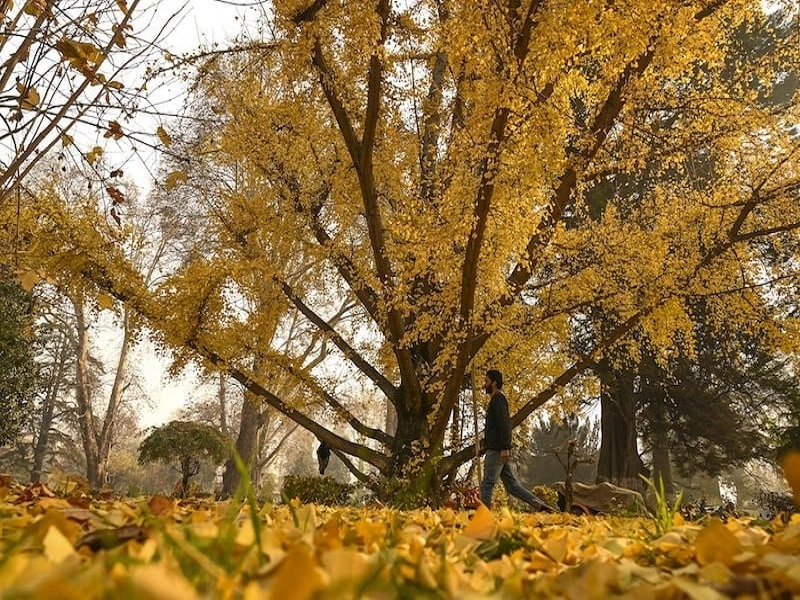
[311, 489]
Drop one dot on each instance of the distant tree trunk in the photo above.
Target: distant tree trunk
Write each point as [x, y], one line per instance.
[246, 443]
[619, 461]
[106, 437]
[662, 467]
[83, 397]
[97, 437]
[455, 426]
[48, 407]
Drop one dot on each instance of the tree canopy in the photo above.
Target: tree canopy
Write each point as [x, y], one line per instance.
[186, 443]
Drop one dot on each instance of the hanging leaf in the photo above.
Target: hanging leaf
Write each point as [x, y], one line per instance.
[34, 7]
[94, 154]
[119, 36]
[29, 97]
[67, 140]
[114, 130]
[163, 136]
[5, 7]
[105, 301]
[79, 54]
[117, 197]
[175, 178]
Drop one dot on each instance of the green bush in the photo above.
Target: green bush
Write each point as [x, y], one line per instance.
[317, 490]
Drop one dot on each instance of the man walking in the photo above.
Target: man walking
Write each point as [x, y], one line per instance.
[498, 448]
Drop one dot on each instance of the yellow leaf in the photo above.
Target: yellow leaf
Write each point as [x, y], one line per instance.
[78, 53]
[57, 548]
[163, 136]
[28, 279]
[791, 470]
[94, 154]
[105, 301]
[30, 99]
[176, 177]
[66, 140]
[298, 577]
[481, 526]
[345, 564]
[716, 543]
[5, 7]
[158, 582]
[556, 546]
[34, 7]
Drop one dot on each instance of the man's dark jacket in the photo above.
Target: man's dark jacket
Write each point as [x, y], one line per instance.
[498, 424]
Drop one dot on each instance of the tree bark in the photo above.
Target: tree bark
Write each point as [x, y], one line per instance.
[619, 461]
[246, 443]
[83, 397]
[48, 407]
[97, 437]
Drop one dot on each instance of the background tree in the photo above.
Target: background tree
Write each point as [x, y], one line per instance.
[437, 166]
[187, 444]
[633, 379]
[18, 369]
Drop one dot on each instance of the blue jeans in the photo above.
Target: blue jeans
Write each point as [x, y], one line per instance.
[494, 467]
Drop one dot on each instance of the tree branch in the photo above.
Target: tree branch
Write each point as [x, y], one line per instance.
[335, 441]
[349, 352]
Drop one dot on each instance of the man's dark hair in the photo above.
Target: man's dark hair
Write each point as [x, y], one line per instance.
[495, 376]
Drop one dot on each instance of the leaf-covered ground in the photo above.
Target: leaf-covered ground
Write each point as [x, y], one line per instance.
[158, 548]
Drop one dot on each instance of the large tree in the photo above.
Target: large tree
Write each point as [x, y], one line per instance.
[436, 165]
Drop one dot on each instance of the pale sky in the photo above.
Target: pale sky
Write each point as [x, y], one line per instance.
[204, 22]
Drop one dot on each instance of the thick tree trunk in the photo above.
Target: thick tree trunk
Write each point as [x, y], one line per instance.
[619, 461]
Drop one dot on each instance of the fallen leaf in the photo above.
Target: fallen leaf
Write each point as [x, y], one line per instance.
[160, 505]
[481, 526]
[57, 548]
[716, 543]
[298, 577]
[110, 538]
